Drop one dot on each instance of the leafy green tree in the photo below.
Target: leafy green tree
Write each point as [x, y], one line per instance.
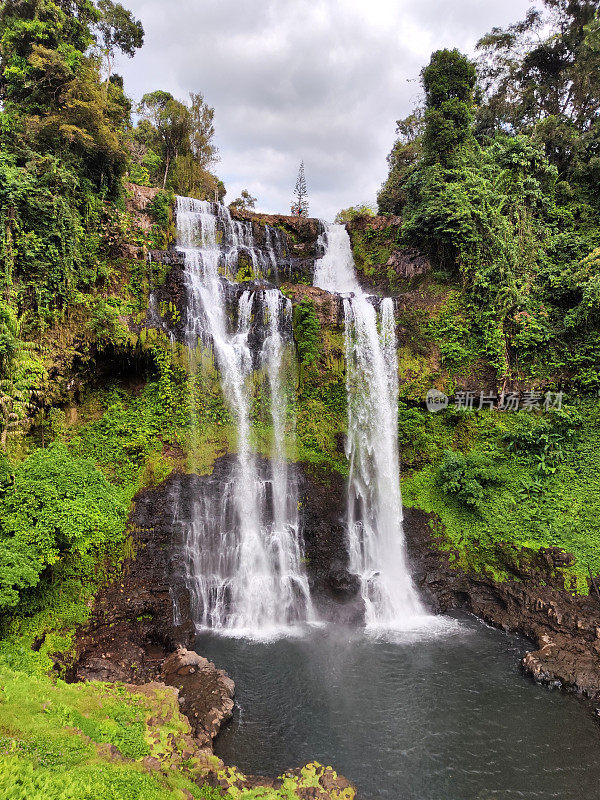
[448, 81]
[468, 478]
[171, 120]
[362, 211]
[42, 45]
[545, 65]
[51, 89]
[402, 159]
[182, 136]
[118, 30]
[244, 202]
[202, 131]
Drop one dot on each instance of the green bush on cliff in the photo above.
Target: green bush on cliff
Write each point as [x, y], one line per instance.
[498, 191]
[160, 209]
[58, 505]
[525, 508]
[545, 440]
[306, 332]
[467, 476]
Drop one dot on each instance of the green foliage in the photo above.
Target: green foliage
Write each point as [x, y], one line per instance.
[467, 477]
[160, 208]
[372, 249]
[118, 30]
[448, 81]
[57, 505]
[544, 440]
[306, 332]
[9, 341]
[544, 69]
[321, 409]
[361, 212]
[54, 741]
[521, 506]
[490, 211]
[182, 136]
[51, 78]
[245, 202]
[404, 156]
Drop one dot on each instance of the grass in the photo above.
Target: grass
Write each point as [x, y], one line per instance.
[55, 740]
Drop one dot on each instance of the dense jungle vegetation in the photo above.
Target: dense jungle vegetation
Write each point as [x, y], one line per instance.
[495, 177]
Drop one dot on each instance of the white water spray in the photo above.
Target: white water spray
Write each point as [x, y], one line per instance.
[375, 533]
[243, 547]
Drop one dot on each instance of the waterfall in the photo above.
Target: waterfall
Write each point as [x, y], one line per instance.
[374, 525]
[243, 550]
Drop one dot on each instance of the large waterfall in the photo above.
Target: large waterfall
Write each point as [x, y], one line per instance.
[375, 533]
[243, 549]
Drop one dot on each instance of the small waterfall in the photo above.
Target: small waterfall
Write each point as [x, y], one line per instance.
[243, 546]
[375, 533]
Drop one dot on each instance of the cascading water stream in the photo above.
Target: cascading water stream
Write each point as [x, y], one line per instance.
[375, 533]
[243, 545]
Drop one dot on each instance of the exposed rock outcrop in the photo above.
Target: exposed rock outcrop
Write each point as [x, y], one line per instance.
[206, 693]
[304, 230]
[329, 307]
[407, 264]
[564, 626]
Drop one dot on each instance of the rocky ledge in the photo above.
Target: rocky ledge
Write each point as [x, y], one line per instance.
[564, 626]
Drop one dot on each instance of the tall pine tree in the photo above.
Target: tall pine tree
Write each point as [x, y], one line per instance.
[300, 198]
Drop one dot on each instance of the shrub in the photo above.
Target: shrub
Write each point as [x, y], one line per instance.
[307, 331]
[58, 504]
[160, 209]
[544, 441]
[467, 477]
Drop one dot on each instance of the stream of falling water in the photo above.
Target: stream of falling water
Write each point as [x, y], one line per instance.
[375, 533]
[243, 550]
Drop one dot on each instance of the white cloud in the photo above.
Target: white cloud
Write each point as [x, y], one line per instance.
[322, 80]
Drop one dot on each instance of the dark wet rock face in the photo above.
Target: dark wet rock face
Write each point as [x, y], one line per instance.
[147, 614]
[565, 627]
[334, 590]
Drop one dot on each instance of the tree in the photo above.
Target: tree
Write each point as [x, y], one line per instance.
[183, 135]
[50, 84]
[57, 504]
[245, 202]
[437, 134]
[171, 121]
[202, 131]
[448, 81]
[546, 65]
[42, 46]
[118, 30]
[300, 198]
[402, 159]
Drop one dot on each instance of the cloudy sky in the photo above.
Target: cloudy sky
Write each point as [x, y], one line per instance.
[319, 80]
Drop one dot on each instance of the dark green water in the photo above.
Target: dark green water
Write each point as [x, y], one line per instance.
[441, 717]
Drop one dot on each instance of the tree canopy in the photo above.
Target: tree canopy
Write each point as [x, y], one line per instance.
[176, 140]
